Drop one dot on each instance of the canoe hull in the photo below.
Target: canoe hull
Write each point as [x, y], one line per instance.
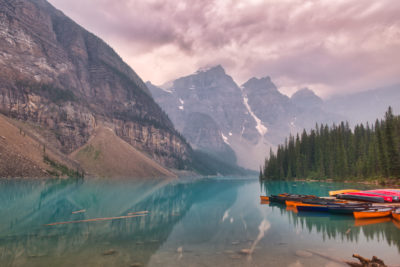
[367, 215]
[361, 198]
[312, 208]
[345, 210]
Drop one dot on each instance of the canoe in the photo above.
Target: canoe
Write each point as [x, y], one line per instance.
[345, 209]
[282, 198]
[396, 214]
[385, 192]
[373, 213]
[337, 192]
[297, 203]
[277, 199]
[312, 208]
[385, 197]
[374, 199]
[264, 198]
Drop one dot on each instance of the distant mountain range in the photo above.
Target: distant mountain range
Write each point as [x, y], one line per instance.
[365, 106]
[217, 116]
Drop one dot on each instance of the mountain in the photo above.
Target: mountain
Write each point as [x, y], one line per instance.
[64, 83]
[272, 109]
[210, 102]
[210, 109]
[365, 106]
[306, 98]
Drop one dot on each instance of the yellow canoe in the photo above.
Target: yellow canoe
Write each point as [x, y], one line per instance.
[337, 192]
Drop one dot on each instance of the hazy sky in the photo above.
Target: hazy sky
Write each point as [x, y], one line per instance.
[330, 46]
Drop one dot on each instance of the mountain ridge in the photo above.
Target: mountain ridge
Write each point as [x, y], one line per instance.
[65, 81]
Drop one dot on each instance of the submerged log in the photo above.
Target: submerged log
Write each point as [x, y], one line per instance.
[97, 219]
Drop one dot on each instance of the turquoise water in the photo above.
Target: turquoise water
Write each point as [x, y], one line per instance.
[207, 222]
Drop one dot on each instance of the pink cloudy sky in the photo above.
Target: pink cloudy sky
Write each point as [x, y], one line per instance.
[330, 46]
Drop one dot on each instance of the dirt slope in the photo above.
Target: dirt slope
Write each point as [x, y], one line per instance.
[107, 155]
[21, 155]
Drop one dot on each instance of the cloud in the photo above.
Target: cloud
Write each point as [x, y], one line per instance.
[330, 46]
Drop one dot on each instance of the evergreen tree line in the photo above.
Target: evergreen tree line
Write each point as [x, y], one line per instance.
[337, 152]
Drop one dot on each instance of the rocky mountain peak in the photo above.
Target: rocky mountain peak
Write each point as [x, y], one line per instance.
[306, 98]
[217, 69]
[264, 83]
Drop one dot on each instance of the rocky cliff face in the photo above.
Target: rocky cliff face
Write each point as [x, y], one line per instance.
[203, 132]
[55, 74]
[249, 119]
[210, 95]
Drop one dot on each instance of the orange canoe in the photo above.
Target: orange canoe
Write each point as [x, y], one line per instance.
[291, 203]
[373, 213]
[264, 198]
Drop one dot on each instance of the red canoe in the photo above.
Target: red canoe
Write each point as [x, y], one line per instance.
[385, 191]
[384, 197]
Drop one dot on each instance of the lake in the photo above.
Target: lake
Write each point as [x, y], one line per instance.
[203, 222]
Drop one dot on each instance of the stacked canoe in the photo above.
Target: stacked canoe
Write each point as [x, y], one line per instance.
[358, 203]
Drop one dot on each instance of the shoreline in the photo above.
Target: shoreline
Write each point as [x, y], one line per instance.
[389, 182]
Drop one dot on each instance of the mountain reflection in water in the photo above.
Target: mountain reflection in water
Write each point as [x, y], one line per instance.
[206, 222]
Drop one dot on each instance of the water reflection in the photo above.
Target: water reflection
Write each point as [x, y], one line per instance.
[193, 223]
[332, 226]
[28, 205]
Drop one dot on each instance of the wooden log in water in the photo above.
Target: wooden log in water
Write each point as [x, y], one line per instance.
[138, 212]
[78, 211]
[97, 219]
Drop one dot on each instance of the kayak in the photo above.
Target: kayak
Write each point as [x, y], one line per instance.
[337, 192]
[374, 199]
[264, 198]
[386, 198]
[396, 214]
[373, 213]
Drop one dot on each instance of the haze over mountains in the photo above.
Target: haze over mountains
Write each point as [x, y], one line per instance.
[210, 109]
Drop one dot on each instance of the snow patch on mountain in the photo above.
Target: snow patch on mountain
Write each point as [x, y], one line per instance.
[260, 126]
[181, 107]
[225, 139]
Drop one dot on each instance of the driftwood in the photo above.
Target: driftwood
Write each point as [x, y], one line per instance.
[138, 212]
[78, 211]
[364, 262]
[97, 219]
